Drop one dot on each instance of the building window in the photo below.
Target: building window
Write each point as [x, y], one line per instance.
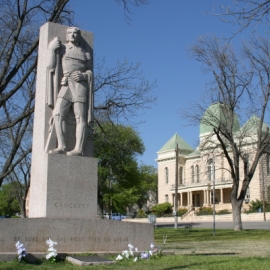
[268, 163]
[166, 198]
[181, 175]
[192, 174]
[166, 175]
[247, 197]
[211, 170]
[198, 173]
[246, 159]
[268, 193]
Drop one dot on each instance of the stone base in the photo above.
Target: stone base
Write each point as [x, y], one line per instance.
[74, 235]
[67, 189]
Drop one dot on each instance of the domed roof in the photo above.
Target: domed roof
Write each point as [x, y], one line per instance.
[214, 116]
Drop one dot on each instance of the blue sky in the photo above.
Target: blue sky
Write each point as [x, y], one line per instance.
[158, 37]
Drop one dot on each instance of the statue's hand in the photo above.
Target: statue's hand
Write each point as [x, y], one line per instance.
[54, 44]
[77, 76]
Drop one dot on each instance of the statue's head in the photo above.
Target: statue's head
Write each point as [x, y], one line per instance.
[73, 34]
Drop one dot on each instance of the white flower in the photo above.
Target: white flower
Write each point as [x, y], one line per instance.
[136, 249]
[131, 252]
[50, 242]
[152, 245]
[52, 251]
[119, 258]
[20, 250]
[150, 252]
[130, 246]
[135, 260]
[48, 256]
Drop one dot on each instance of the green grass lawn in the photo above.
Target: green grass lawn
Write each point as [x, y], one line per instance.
[206, 255]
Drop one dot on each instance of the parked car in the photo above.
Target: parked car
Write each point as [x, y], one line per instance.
[117, 216]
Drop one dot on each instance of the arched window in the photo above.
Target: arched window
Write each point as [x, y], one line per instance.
[166, 175]
[198, 173]
[268, 163]
[268, 193]
[247, 197]
[181, 175]
[210, 170]
[192, 174]
[246, 159]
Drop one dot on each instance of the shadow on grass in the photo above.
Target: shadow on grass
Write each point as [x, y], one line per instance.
[31, 259]
[213, 254]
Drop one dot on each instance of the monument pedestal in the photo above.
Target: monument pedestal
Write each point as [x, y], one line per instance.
[67, 189]
[74, 235]
[63, 190]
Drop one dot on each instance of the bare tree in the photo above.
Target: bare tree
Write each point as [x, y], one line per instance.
[245, 13]
[127, 6]
[241, 87]
[20, 21]
[121, 92]
[19, 31]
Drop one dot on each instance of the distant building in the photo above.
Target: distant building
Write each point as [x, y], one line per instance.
[199, 168]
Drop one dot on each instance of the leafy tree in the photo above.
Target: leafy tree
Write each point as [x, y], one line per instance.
[8, 203]
[240, 86]
[147, 185]
[162, 208]
[116, 147]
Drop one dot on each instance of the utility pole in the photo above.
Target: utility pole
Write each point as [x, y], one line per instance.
[176, 188]
[214, 197]
[263, 197]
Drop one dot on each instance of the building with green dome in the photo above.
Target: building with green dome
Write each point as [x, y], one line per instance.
[205, 166]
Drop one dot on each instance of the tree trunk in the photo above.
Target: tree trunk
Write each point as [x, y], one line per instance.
[236, 209]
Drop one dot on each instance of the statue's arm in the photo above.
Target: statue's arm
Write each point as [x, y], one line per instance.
[79, 76]
[53, 46]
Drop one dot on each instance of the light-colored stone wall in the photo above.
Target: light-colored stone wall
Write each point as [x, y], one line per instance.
[163, 187]
[222, 177]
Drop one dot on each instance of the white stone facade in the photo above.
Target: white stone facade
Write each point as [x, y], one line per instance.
[199, 170]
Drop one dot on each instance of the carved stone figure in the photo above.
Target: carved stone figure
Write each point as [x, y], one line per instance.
[70, 87]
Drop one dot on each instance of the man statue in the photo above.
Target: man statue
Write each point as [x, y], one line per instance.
[73, 62]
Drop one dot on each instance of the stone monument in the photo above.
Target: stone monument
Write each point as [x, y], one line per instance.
[63, 191]
[64, 172]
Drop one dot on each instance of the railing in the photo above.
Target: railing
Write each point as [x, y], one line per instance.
[189, 211]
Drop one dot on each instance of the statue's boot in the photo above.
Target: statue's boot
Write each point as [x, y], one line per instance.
[61, 149]
[58, 151]
[80, 138]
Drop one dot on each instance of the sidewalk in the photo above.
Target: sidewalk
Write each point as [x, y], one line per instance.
[209, 218]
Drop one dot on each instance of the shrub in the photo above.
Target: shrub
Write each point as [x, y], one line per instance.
[182, 211]
[224, 212]
[255, 205]
[141, 214]
[204, 211]
[162, 208]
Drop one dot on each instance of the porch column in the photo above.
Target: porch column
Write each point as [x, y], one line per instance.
[207, 196]
[191, 198]
[221, 195]
[181, 199]
[210, 196]
[204, 197]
